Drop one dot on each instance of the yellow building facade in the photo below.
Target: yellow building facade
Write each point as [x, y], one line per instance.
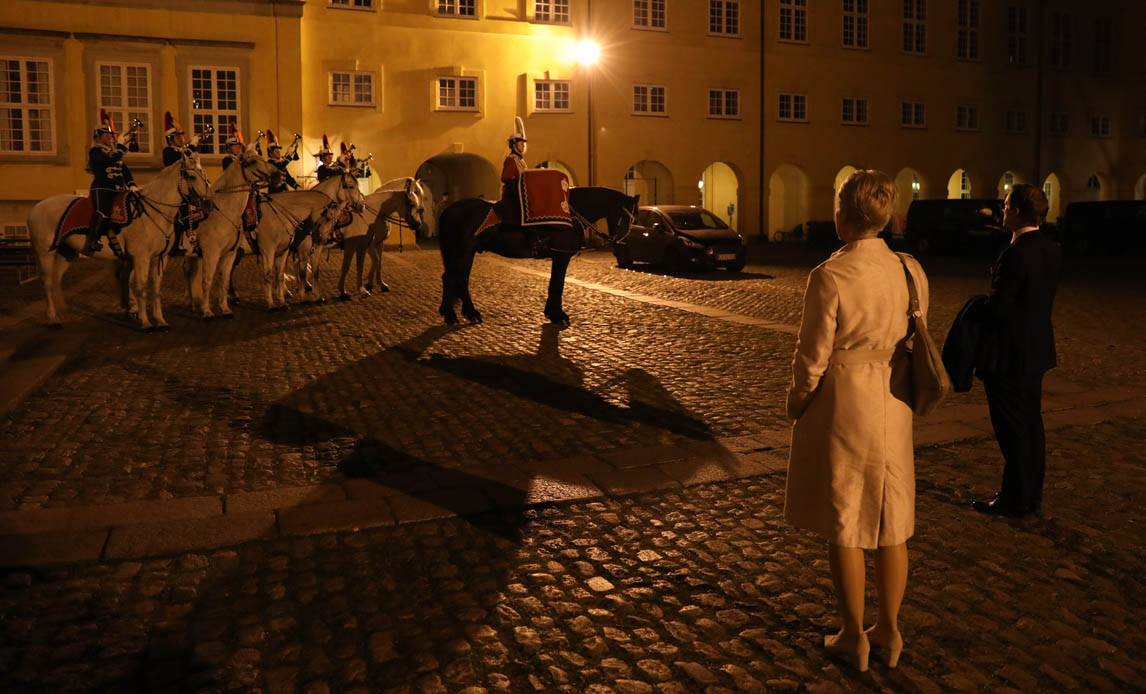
[757, 110]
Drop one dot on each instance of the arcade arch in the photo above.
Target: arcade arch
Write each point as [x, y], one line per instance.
[1140, 188]
[559, 166]
[787, 200]
[1052, 188]
[841, 176]
[460, 176]
[959, 185]
[1007, 181]
[719, 192]
[651, 180]
[1097, 187]
[909, 183]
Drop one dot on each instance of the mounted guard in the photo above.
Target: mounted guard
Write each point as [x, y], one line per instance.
[111, 177]
[176, 140]
[283, 181]
[233, 146]
[327, 167]
[186, 219]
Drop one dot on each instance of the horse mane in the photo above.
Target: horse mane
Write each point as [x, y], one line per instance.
[394, 184]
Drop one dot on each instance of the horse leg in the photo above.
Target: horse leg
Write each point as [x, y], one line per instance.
[553, 309]
[462, 276]
[280, 281]
[376, 269]
[205, 267]
[226, 263]
[347, 245]
[156, 281]
[51, 277]
[267, 260]
[139, 288]
[359, 261]
[124, 272]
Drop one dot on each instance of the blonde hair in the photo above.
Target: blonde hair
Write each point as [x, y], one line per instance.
[867, 200]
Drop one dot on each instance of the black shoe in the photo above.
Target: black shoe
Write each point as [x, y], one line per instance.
[177, 252]
[996, 506]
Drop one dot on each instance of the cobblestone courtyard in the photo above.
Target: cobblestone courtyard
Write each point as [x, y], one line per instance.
[509, 507]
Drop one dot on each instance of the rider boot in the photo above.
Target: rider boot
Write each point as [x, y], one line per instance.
[95, 228]
[113, 243]
[178, 248]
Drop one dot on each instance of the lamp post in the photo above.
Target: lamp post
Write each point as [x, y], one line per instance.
[587, 54]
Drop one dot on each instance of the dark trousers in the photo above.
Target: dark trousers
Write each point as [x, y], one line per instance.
[1015, 403]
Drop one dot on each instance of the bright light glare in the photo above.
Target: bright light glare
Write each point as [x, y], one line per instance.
[587, 52]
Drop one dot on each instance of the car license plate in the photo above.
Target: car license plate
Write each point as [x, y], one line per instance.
[726, 256]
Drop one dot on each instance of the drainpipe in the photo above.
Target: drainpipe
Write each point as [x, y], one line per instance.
[1037, 180]
[760, 197]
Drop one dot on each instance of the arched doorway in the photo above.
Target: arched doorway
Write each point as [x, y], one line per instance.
[841, 176]
[459, 176]
[651, 180]
[1097, 187]
[1140, 188]
[909, 184]
[559, 166]
[1007, 181]
[787, 200]
[959, 185]
[1052, 188]
[719, 190]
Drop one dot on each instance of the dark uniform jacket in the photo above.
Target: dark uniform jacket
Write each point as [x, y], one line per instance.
[227, 161]
[1023, 284]
[285, 181]
[109, 175]
[171, 155]
[324, 172]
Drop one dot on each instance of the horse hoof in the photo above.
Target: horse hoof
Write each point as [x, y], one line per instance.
[475, 318]
[344, 297]
[450, 318]
[383, 287]
[55, 325]
[309, 287]
[320, 300]
[162, 328]
[364, 292]
[368, 287]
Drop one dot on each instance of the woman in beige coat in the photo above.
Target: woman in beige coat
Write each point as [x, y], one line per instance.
[851, 472]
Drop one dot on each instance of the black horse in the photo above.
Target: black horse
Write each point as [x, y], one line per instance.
[459, 243]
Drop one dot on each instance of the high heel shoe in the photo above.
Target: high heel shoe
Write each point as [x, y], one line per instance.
[854, 649]
[887, 649]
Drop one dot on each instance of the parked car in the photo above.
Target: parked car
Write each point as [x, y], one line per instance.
[679, 237]
[955, 226]
[1112, 225]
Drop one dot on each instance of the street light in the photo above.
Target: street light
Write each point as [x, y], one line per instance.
[587, 52]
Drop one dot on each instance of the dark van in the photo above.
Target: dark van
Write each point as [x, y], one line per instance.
[955, 227]
[1111, 225]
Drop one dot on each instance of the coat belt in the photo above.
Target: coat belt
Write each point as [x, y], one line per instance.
[866, 356]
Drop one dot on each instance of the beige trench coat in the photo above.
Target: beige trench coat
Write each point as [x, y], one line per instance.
[851, 471]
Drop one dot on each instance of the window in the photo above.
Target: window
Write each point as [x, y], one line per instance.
[855, 23]
[912, 114]
[723, 103]
[854, 111]
[968, 45]
[555, 11]
[551, 96]
[794, 20]
[1016, 35]
[1060, 43]
[457, 8]
[915, 26]
[724, 17]
[793, 107]
[27, 115]
[457, 93]
[1100, 125]
[966, 118]
[649, 99]
[1015, 122]
[1059, 123]
[15, 234]
[353, 4]
[351, 89]
[650, 14]
[125, 92]
[964, 185]
[1102, 29]
[214, 102]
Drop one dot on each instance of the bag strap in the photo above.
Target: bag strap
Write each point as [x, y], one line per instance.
[914, 311]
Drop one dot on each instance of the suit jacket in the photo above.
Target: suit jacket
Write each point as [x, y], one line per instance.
[963, 347]
[1023, 284]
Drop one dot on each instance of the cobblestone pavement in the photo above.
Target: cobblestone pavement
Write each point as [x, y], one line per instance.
[696, 590]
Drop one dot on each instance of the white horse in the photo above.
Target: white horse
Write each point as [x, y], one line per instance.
[282, 216]
[145, 240]
[404, 197]
[221, 233]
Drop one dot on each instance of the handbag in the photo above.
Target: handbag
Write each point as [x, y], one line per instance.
[929, 381]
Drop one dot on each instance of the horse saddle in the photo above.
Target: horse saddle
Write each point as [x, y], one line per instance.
[78, 215]
[252, 213]
[343, 220]
[542, 199]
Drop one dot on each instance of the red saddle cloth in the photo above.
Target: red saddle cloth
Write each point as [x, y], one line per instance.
[78, 216]
[543, 198]
[343, 220]
[251, 213]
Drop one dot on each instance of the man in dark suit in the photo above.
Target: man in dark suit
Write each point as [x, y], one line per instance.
[1021, 350]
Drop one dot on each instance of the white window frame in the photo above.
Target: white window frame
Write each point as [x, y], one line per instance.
[452, 8]
[650, 7]
[1060, 124]
[15, 231]
[359, 5]
[796, 12]
[968, 20]
[970, 116]
[549, 86]
[718, 14]
[121, 114]
[1017, 35]
[793, 99]
[915, 27]
[1015, 122]
[649, 93]
[723, 98]
[552, 9]
[353, 76]
[457, 87]
[24, 106]
[221, 133]
[917, 107]
[1100, 126]
[860, 16]
[853, 105]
